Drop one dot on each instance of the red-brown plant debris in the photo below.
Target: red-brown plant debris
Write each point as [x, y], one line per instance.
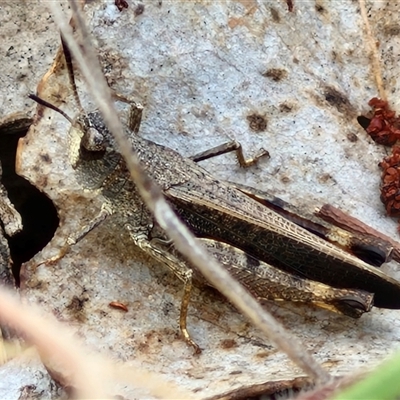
[390, 188]
[384, 127]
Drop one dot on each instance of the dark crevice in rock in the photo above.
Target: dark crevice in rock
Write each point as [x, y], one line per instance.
[39, 215]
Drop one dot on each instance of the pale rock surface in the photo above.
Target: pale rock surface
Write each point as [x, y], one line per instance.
[201, 69]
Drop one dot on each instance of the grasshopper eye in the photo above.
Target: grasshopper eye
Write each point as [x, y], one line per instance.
[93, 140]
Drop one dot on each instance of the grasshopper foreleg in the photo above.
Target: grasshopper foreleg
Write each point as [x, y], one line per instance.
[75, 238]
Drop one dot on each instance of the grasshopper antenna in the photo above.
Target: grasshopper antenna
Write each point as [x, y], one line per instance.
[71, 77]
[70, 69]
[49, 105]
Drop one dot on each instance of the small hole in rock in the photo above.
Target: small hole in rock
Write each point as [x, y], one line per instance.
[39, 215]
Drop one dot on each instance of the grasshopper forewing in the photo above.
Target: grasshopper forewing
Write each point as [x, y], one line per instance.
[224, 213]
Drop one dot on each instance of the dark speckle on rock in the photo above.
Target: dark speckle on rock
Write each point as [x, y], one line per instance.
[352, 137]
[45, 158]
[276, 74]
[257, 122]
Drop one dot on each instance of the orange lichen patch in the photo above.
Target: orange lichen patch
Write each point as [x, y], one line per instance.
[384, 127]
[251, 8]
[248, 4]
[227, 344]
[119, 306]
[234, 22]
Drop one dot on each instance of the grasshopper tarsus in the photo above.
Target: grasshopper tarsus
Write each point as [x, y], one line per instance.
[187, 290]
[53, 260]
[245, 163]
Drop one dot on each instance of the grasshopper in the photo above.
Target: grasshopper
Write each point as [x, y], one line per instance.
[270, 255]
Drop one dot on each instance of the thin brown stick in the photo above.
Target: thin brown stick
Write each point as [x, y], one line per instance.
[65, 355]
[55, 346]
[376, 61]
[345, 221]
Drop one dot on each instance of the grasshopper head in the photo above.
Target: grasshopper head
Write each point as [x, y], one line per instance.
[92, 150]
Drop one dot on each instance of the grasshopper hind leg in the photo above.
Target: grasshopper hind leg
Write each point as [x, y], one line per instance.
[227, 148]
[266, 282]
[158, 249]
